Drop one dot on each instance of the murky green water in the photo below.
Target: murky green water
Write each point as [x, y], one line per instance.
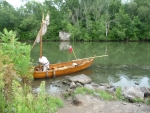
[127, 64]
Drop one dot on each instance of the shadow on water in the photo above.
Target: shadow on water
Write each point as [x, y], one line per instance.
[127, 64]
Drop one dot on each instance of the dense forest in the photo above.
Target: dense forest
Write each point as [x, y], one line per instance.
[86, 20]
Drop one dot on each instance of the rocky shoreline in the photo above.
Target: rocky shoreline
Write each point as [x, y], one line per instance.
[82, 80]
[92, 103]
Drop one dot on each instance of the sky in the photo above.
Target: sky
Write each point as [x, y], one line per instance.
[18, 3]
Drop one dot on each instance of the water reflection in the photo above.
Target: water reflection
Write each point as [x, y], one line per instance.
[122, 76]
[126, 64]
[125, 82]
[64, 45]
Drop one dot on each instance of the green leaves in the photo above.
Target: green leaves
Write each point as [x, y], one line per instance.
[8, 37]
[18, 52]
[86, 20]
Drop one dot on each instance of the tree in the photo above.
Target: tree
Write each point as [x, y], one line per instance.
[8, 18]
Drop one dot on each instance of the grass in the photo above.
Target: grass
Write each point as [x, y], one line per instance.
[105, 95]
[148, 101]
[30, 103]
[138, 100]
[83, 90]
[102, 94]
[119, 93]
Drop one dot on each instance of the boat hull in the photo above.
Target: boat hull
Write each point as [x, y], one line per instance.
[63, 68]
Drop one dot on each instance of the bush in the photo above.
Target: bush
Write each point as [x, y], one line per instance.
[19, 53]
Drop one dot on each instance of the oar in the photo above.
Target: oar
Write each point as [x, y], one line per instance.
[74, 53]
[92, 57]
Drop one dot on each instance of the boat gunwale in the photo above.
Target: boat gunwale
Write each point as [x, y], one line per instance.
[88, 62]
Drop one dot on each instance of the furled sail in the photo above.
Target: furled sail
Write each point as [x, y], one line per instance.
[43, 29]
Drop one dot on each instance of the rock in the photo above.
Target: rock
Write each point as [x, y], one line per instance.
[94, 84]
[102, 88]
[55, 82]
[67, 77]
[83, 79]
[77, 100]
[64, 82]
[110, 91]
[69, 90]
[72, 85]
[136, 83]
[132, 93]
[57, 85]
[79, 84]
[89, 86]
[105, 84]
[124, 103]
[145, 91]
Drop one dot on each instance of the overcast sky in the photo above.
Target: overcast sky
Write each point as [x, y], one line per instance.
[18, 3]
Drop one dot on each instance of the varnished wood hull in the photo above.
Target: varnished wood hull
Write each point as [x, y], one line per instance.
[63, 68]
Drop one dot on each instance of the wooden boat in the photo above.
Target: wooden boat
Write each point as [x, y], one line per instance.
[63, 68]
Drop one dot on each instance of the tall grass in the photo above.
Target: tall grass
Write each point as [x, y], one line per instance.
[2, 98]
[16, 96]
[41, 103]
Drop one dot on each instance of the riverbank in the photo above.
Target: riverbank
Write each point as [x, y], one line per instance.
[84, 96]
[93, 104]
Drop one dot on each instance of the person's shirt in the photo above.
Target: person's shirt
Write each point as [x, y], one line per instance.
[43, 60]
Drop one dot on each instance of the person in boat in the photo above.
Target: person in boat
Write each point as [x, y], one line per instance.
[44, 61]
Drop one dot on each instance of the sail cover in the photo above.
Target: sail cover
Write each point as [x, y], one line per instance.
[43, 29]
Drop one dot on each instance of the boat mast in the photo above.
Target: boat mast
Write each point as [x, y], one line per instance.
[42, 31]
[41, 43]
[41, 37]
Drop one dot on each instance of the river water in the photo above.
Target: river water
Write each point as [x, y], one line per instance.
[127, 64]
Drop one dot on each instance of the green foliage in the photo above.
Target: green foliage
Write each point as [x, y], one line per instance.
[19, 52]
[66, 95]
[2, 97]
[29, 27]
[54, 103]
[101, 94]
[4, 82]
[8, 17]
[29, 103]
[119, 93]
[18, 98]
[148, 101]
[101, 20]
[44, 102]
[105, 95]
[138, 100]
[81, 90]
